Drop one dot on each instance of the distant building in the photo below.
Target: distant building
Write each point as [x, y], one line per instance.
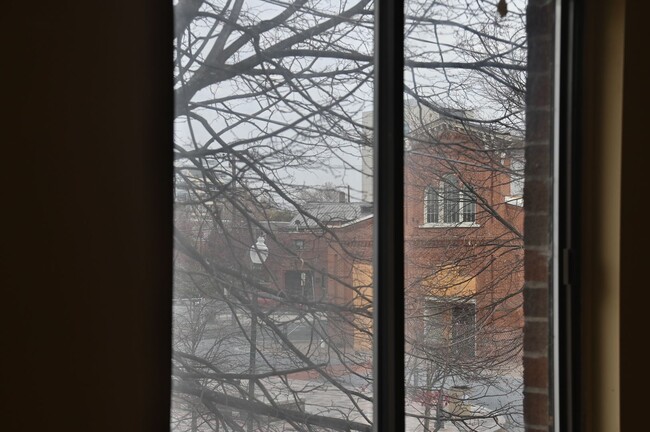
[330, 214]
[464, 257]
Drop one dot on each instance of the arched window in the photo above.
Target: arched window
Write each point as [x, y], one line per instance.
[431, 205]
[449, 202]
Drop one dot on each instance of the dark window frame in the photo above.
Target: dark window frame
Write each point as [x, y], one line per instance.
[388, 230]
[389, 234]
[569, 396]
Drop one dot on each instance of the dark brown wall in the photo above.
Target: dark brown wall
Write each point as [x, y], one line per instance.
[634, 240]
[86, 279]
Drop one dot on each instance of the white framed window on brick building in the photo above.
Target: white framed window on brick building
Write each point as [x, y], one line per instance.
[449, 203]
[450, 326]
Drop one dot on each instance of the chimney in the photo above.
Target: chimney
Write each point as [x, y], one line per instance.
[342, 197]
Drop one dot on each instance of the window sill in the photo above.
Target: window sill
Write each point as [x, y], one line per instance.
[450, 225]
[516, 200]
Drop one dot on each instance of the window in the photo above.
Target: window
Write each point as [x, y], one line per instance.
[431, 205]
[468, 206]
[451, 328]
[450, 200]
[298, 244]
[463, 330]
[286, 117]
[299, 285]
[449, 203]
[517, 182]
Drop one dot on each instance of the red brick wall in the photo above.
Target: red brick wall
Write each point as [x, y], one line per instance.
[537, 223]
[491, 251]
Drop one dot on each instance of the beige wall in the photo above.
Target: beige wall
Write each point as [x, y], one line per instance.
[604, 59]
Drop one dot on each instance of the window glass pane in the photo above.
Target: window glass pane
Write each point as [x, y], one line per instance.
[432, 205]
[464, 103]
[273, 217]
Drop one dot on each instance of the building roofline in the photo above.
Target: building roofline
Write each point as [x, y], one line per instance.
[361, 219]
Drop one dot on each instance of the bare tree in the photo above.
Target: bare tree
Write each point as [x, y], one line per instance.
[271, 92]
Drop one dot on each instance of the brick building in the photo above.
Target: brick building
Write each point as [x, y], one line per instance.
[464, 249]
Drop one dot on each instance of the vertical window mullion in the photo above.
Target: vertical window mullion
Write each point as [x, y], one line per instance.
[388, 256]
[431, 205]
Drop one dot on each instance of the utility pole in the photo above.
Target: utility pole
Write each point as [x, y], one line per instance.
[259, 252]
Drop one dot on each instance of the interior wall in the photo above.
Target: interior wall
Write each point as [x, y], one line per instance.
[603, 115]
[87, 238]
[635, 238]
